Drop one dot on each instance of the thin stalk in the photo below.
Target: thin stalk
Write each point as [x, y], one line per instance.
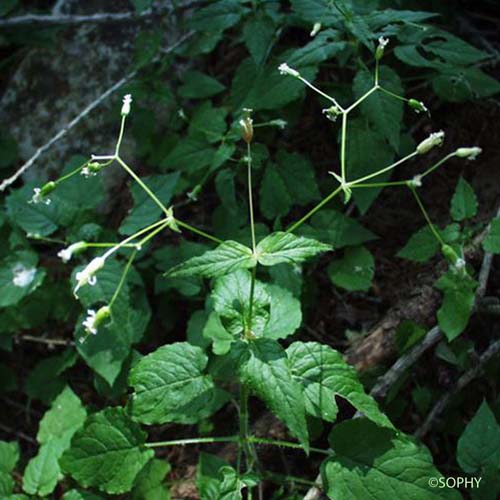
[142, 184]
[362, 98]
[381, 184]
[251, 299]
[383, 170]
[200, 440]
[438, 164]
[250, 196]
[343, 145]
[198, 231]
[392, 94]
[311, 212]
[120, 137]
[285, 444]
[377, 72]
[320, 92]
[426, 215]
[72, 173]
[123, 278]
[243, 438]
[109, 245]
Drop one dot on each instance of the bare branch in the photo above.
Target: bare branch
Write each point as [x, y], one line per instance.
[7, 182]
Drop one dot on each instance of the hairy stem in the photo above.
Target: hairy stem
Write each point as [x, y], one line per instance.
[199, 440]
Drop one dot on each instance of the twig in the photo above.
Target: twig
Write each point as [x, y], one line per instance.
[7, 182]
[19, 434]
[75, 20]
[44, 340]
[464, 380]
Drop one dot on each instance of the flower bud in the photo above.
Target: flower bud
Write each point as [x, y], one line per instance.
[469, 153]
[40, 194]
[246, 124]
[284, 69]
[332, 112]
[379, 52]
[87, 276]
[67, 253]
[315, 29]
[127, 99]
[435, 139]
[95, 319]
[449, 254]
[415, 182]
[418, 106]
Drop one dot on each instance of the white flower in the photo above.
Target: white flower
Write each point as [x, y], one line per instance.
[416, 181]
[95, 319]
[87, 276]
[332, 112]
[315, 29]
[382, 42]
[460, 264]
[469, 153]
[278, 123]
[39, 198]
[23, 276]
[127, 99]
[284, 69]
[435, 139]
[418, 106]
[66, 253]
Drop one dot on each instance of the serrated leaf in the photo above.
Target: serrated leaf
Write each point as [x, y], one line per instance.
[80, 495]
[285, 313]
[383, 111]
[42, 472]
[9, 456]
[170, 385]
[145, 211]
[191, 154]
[258, 34]
[108, 452]
[464, 201]
[267, 372]
[226, 258]
[492, 241]
[421, 246]
[354, 271]
[197, 85]
[275, 200]
[458, 301]
[280, 247]
[149, 483]
[479, 445]
[380, 466]
[231, 299]
[209, 121]
[217, 16]
[19, 277]
[323, 374]
[209, 476]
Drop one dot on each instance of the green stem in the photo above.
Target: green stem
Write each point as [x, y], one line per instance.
[123, 278]
[141, 183]
[381, 184]
[426, 215]
[311, 212]
[362, 98]
[184, 442]
[285, 444]
[383, 170]
[343, 145]
[392, 94]
[243, 438]
[251, 300]
[377, 72]
[198, 231]
[72, 173]
[109, 245]
[438, 164]
[250, 196]
[321, 93]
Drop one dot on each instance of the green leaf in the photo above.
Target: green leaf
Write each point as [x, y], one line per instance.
[57, 427]
[366, 152]
[80, 495]
[282, 247]
[209, 121]
[336, 228]
[209, 476]
[384, 112]
[42, 472]
[275, 200]
[216, 332]
[107, 453]
[9, 456]
[479, 445]
[170, 386]
[267, 372]
[217, 16]
[227, 257]
[7, 6]
[258, 34]
[149, 483]
[458, 301]
[145, 211]
[8, 146]
[464, 201]
[380, 466]
[421, 246]
[19, 277]
[191, 154]
[323, 374]
[285, 314]
[354, 271]
[199, 86]
[231, 299]
[492, 241]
